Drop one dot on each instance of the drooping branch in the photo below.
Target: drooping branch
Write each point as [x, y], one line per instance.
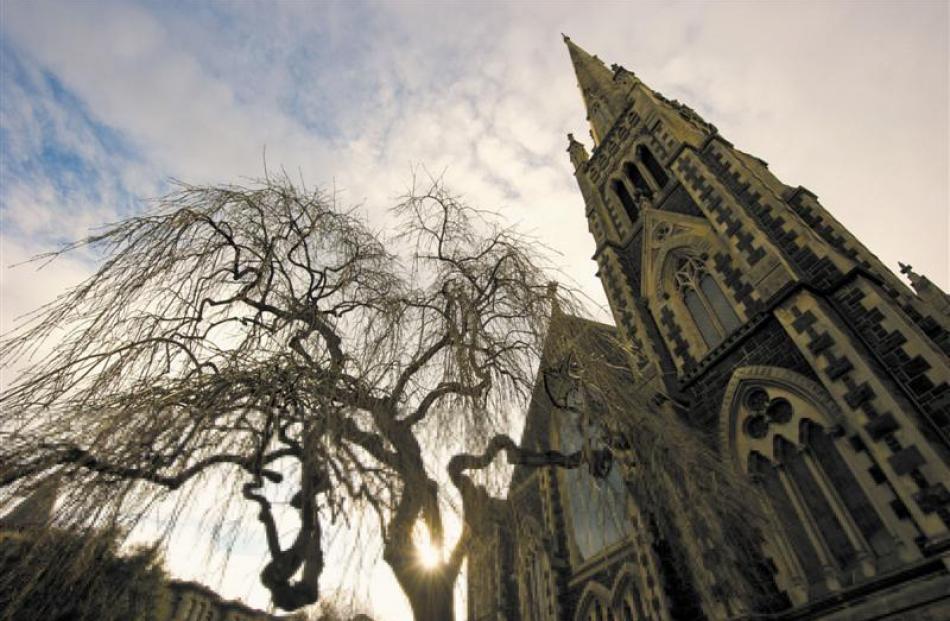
[61, 455]
[516, 455]
[264, 330]
[473, 494]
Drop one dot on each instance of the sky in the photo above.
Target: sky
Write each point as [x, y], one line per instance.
[102, 104]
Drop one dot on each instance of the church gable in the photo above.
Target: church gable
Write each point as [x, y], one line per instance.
[664, 232]
[686, 292]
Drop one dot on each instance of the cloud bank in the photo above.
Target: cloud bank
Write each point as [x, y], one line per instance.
[102, 103]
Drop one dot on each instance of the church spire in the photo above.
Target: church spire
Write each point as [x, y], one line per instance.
[597, 86]
[34, 511]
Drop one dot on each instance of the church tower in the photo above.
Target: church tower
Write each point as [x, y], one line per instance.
[757, 317]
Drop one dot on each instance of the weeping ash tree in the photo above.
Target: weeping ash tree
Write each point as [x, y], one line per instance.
[267, 337]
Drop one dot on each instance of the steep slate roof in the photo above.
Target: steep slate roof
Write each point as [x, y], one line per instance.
[565, 332]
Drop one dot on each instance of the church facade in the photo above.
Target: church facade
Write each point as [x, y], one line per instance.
[750, 314]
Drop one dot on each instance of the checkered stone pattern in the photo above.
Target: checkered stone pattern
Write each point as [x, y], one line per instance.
[742, 290]
[679, 346]
[938, 333]
[612, 209]
[767, 345]
[808, 208]
[879, 416]
[664, 137]
[921, 370]
[623, 303]
[753, 254]
[814, 261]
[596, 228]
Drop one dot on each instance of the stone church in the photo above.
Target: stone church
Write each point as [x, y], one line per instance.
[747, 313]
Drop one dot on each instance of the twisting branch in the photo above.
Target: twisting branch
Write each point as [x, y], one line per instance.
[266, 330]
[517, 456]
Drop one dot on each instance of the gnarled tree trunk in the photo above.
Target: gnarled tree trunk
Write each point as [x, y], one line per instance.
[429, 590]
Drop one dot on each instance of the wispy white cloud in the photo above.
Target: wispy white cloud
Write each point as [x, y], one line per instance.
[104, 101]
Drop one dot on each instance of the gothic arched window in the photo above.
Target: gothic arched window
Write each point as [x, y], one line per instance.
[629, 204]
[653, 166]
[632, 171]
[597, 507]
[536, 578]
[835, 533]
[707, 305]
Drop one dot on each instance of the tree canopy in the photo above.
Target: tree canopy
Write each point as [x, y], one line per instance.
[270, 332]
[268, 335]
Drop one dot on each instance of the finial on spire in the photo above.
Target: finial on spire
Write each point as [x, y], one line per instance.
[577, 151]
[927, 291]
[916, 280]
[566, 38]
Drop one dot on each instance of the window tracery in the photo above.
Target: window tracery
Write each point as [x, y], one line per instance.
[710, 310]
[595, 497]
[536, 582]
[662, 231]
[821, 501]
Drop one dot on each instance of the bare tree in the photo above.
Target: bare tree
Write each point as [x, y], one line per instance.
[269, 333]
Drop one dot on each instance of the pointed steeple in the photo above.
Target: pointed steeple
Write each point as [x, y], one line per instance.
[34, 511]
[597, 86]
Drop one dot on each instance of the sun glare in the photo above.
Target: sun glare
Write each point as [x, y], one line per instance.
[430, 556]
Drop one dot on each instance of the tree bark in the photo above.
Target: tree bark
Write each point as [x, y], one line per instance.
[430, 591]
[431, 599]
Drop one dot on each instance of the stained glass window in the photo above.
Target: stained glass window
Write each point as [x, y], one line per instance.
[708, 307]
[597, 506]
